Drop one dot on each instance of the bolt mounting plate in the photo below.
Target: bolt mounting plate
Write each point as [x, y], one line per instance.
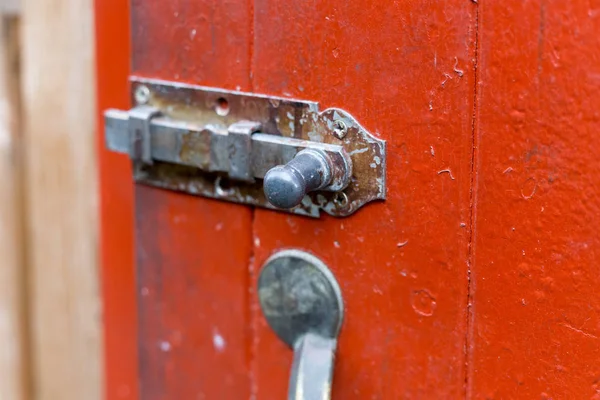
[283, 117]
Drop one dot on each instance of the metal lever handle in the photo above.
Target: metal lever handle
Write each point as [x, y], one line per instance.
[312, 370]
[286, 185]
[302, 303]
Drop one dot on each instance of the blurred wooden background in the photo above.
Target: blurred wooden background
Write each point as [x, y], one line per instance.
[50, 317]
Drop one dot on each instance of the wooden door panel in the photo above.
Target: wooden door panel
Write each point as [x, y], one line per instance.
[405, 71]
[193, 253]
[193, 313]
[535, 323]
[202, 42]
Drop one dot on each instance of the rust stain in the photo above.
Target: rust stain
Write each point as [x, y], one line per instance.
[195, 149]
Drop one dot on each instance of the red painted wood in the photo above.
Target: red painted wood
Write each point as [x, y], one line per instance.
[536, 322]
[405, 71]
[527, 324]
[116, 207]
[193, 253]
[193, 314]
[202, 42]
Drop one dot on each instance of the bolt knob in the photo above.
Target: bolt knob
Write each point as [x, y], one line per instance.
[286, 185]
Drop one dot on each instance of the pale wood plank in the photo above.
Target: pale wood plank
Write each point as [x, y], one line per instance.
[61, 204]
[10, 7]
[13, 338]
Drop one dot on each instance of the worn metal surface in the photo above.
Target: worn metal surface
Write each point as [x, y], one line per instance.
[189, 109]
[138, 131]
[302, 302]
[216, 149]
[286, 185]
[312, 369]
[298, 294]
[208, 147]
[239, 150]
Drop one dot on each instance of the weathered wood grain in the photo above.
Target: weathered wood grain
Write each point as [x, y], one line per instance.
[61, 198]
[13, 317]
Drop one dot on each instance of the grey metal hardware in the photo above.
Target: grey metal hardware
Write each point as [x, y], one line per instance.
[138, 128]
[223, 144]
[302, 302]
[285, 186]
[238, 151]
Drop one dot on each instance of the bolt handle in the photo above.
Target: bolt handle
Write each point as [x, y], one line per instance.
[286, 185]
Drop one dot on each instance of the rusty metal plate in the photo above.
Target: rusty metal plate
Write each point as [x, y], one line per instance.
[284, 117]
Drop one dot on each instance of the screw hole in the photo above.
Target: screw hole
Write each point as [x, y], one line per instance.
[340, 199]
[223, 187]
[222, 107]
[339, 129]
[142, 94]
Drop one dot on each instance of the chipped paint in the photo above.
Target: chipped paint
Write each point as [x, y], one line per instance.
[165, 346]
[218, 342]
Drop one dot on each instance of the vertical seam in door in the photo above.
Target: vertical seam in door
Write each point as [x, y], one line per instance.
[472, 211]
[252, 311]
[252, 268]
[251, 46]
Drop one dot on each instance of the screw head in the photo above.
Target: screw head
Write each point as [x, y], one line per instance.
[339, 129]
[142, 94]
[341, 199]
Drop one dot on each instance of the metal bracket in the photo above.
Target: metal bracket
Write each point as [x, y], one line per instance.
[221, 144]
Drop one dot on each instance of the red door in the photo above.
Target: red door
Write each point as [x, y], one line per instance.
[474, 278]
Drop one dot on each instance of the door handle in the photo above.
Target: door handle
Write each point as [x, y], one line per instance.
[302, 302]
[312, 369]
